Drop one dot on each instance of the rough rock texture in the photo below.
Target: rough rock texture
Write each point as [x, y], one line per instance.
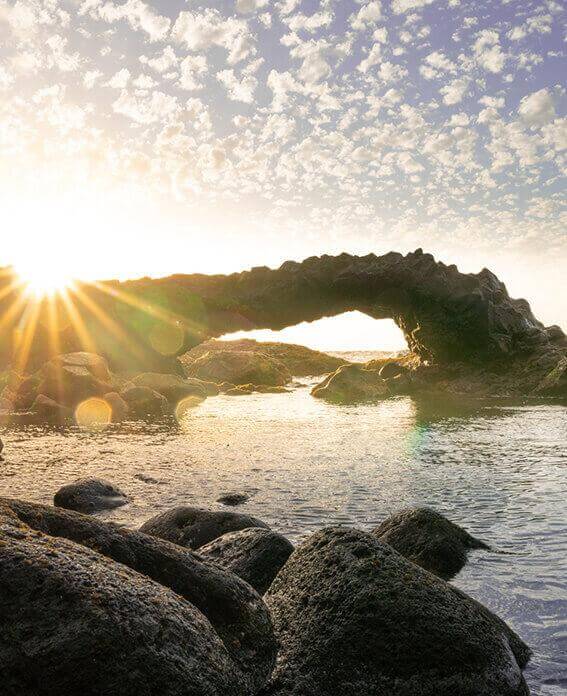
[236, 612]
[76, 623]
[90, 495]
[352, 383]
[239, 367]
[231, 499]
[428, 539]
[255, 555]
[74, 377]
[463, 321]
[143, 401]
[175, 388]
[355, 617]
[299, 360]
[193, 527]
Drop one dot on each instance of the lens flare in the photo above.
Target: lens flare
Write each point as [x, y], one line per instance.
[93, 414]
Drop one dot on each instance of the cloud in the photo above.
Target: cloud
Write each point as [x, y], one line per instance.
[488, 52]
[238, 90]
[454, 92]
[248, 6]
[367, 15]
[192, 67]
[120, 79]
[538, 108]
[401, 6]
[146, 109]
[138, 14]
[373, 58]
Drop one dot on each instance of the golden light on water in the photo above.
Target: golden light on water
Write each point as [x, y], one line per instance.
[185, 406]
[93, 414]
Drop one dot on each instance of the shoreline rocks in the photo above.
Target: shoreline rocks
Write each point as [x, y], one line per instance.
[192, 527]
[90, 495]
[239, 367]
[355, 617]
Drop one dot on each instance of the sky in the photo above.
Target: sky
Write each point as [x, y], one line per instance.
[146, 138]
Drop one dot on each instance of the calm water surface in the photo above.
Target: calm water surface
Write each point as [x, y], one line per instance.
[499, 470]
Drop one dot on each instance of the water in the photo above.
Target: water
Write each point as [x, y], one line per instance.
[500, 470]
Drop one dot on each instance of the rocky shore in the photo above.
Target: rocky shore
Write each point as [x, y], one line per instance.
[206, 602]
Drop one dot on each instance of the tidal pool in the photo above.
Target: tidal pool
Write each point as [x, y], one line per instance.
[499, 470]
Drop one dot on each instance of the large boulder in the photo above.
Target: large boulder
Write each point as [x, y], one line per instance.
[71, 378]
[429, 539]
[175, 388]
[49, 410]
[355, 617]
[239, 367]
[194, 527]
[255, 555]
[232, 607]
[143, 402]
[90, 495]
[352, 383]
[299, 360]
[79, 624]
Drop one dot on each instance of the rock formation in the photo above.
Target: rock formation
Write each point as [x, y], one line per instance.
[463, 327]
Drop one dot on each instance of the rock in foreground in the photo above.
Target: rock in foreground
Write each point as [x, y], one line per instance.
[90, 495]
[236, 612]
[193, 527]
[352, 383]
[355, 617]
[255, 555]
[428, 539]
[239, 367]
[79, 624]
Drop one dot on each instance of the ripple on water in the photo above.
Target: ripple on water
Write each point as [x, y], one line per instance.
[499, 470]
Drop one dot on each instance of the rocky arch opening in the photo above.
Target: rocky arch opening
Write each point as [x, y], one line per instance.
[351, 331]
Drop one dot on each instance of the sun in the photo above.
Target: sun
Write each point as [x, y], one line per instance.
[41, 277]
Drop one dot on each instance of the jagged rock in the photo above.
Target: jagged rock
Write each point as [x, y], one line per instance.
[90, 495]
[79, 624]
[299, 360]
[255, 555]
[352, 383]
[143, 402]
[74, 377]
[193, 527]
[175, 388]
[119, 407]
[50, 410]
[239, 367]
[232, 607]
[355, 617]
[229, 498]
[428, 539]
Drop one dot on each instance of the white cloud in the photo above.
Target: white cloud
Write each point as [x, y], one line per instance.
[367, 15]
[488, 52]
[401, 6]
[373, 58]
[200, 31]
[192, 67]
[248, 6]
[138, 14]
[152, 108]
[120, 79]
[537, 108]
[238, 90]
[454, 92]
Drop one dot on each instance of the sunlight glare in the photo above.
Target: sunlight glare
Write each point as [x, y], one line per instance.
[42, 278]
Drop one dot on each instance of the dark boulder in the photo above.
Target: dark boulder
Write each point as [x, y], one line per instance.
[143, 401]
[255, 555]
[355, 617]
[232, 607]
[193, 527]
[90, 495]
[428, 539]
[231, 499]
[79, 624]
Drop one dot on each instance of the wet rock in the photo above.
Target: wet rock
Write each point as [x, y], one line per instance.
[228, 498]
[428, 539]
[256, 555]
[193, 527]
[351, 383]
[175, 388]
[80, 624]
[50, 410]
[355, 617]
[232, 607]
[239, 391]
[143, 402]
[299, 360]
[239, 367]
[119, 407]
[145, 478]
[391, 369]
[555, 382]
[90, 495]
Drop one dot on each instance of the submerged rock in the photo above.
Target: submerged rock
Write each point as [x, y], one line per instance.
[255, 555]
[355, 617]
[79, 624]
[193, 527]
[175, 388]
[239, 367]
[352, 383]
[90, 495]
[233, 608]
[428, 539]
[229, 498]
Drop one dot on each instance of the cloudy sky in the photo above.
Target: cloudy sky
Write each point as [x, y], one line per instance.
[151, 137]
